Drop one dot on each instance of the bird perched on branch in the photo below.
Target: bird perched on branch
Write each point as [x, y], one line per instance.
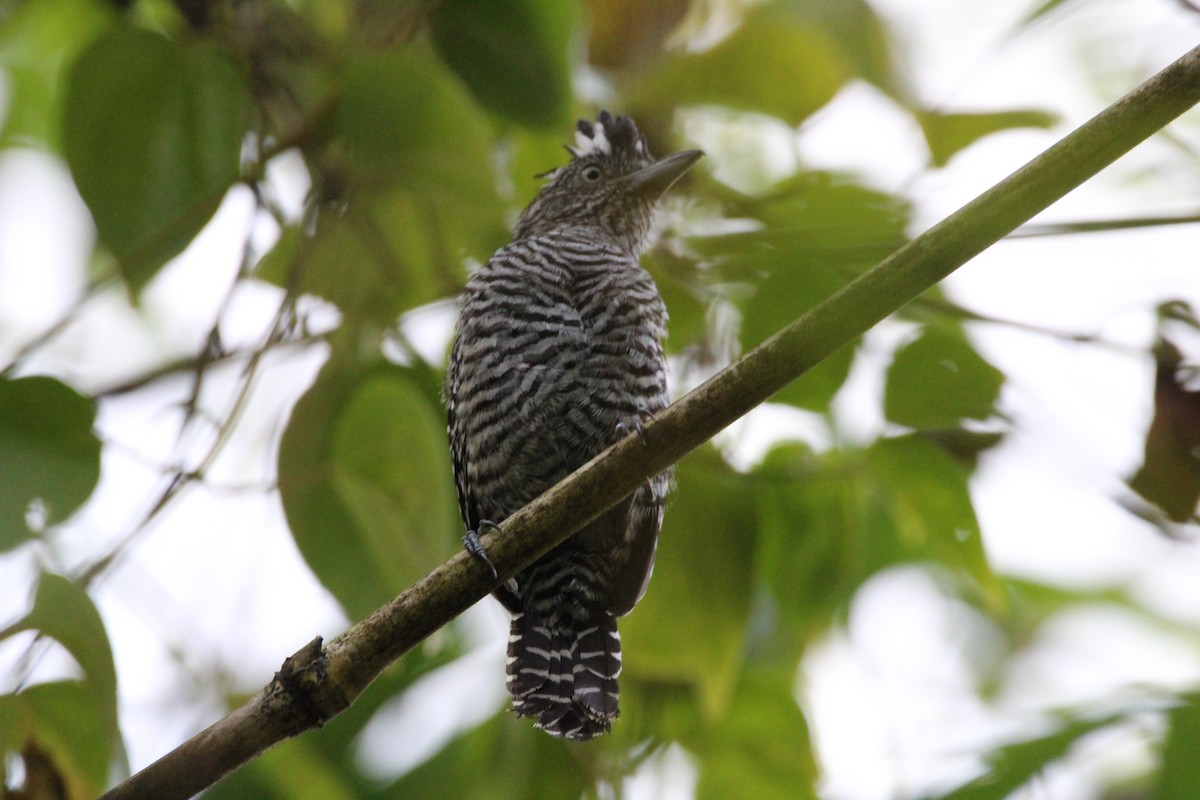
[558, 354]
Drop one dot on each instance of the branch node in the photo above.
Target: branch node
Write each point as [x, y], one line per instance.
[302, 688]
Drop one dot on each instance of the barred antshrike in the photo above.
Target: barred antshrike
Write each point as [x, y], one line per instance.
[558, 355]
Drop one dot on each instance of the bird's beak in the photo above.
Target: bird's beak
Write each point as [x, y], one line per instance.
[655, 179]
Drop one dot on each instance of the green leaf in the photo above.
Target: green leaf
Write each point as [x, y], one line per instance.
[786, 293]
[761, 749]
[298, 768]
[49, 455]
[385, 439]
[75, 721]
[1169, 475]
[629, 34]
[420, 154]
[64, 612]
[1014, 765]
[774, 63]
[691, 625]
[406, 120]
[949, 133]
[861, 36]
[152, 131]
[1180, 776]
[503, 758]
[824, 530]
[965, 446]
[36, 41]
[10, 724]
[938, 380]
[826, 214]
[364, 474]
[819, 232]
[528, 154]
[829, 521]
[1036, 14]
[406, 250]
[514, 55]
[62, 719]
[680, 288]
[926, 494]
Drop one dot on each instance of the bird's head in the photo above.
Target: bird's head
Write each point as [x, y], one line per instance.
[612, 184]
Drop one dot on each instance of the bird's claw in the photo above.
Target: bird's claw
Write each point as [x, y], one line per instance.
[637, 426]
[475, 547]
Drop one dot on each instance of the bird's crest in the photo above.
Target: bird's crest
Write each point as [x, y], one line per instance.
[609, 135]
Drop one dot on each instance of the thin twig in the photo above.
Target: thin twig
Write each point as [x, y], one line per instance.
[58, 326]
[967, 315]
[1099, 226]
[187, 364]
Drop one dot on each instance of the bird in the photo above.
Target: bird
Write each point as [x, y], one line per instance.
[558, 354]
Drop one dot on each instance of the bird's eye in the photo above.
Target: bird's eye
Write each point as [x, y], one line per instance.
[591, 174]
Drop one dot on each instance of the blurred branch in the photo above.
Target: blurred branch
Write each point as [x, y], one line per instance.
[955, 311]
[1099, 226]
[181, 477]
[280, 333]
[190, 365]
[319, 682]
[58, 326]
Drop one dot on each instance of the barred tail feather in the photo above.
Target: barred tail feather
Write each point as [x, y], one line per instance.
[566, 678]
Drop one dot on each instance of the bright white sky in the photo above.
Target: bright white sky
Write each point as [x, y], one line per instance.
[892, 698]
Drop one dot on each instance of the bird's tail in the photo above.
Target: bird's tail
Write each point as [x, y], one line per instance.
[564, 674]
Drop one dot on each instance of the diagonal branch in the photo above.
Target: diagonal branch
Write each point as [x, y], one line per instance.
[318, 682]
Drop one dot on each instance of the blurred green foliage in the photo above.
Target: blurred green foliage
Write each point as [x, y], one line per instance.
[74, 722]
[152, 130]
[49, 457]
[420, 124]
[365, 455]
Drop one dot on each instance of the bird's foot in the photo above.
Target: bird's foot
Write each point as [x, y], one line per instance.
[475, 547]
[637, 426]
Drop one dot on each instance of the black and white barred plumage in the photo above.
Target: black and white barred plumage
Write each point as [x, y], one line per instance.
[558, 355]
